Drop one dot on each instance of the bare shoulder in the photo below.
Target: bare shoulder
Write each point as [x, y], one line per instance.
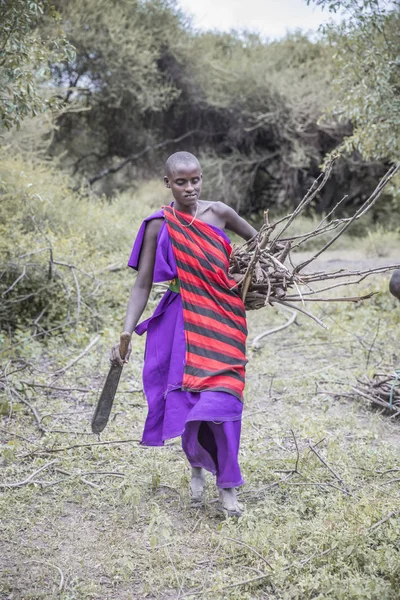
[153, 227]
[234, 222]
[222, 209]
[213, 213]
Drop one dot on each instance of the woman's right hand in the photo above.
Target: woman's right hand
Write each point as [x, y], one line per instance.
[115, 355]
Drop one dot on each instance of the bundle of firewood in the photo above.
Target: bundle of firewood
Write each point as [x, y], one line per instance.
[267, 261]
[382, 390]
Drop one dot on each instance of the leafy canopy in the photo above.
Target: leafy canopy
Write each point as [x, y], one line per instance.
[25, 55]
[366, 74]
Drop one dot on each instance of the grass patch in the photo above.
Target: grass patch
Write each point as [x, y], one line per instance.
[115, 518]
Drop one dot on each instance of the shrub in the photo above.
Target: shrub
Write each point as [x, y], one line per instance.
[61, 252]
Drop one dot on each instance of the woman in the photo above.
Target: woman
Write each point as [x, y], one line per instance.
[195, 349]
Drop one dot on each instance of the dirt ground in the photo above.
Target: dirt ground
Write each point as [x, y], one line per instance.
[351, 259]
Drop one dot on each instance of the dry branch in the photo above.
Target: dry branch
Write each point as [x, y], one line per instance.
[323, 461]
[382, 390]
[35, 413]
[62, 579]
[65, 448]
[28, 479]
[267, 266]
[63, 370]
[289, 322]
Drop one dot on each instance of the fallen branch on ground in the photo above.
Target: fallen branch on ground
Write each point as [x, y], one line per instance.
[65, 448]
[289, 322]
[382, 390]
[323, 461]
[35, 413]
[63, 370]
[29, 479]
[62, 579]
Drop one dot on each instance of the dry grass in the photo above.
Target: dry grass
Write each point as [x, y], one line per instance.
[113, 521]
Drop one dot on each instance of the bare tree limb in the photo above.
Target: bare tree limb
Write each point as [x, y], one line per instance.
[133, 157]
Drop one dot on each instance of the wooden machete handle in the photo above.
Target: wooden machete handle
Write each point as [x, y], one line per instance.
[124, 341]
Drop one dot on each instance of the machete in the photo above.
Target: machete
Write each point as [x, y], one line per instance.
[105, 402]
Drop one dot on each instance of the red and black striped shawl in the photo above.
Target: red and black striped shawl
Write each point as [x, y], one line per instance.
[213, 312]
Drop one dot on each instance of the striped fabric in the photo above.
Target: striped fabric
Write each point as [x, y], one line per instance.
[213, 313]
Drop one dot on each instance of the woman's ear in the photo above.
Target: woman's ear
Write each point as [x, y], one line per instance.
[166, 181]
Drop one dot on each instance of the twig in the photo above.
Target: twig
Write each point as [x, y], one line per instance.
[375, 400]
[54, 387]
[64, 448]
[35, 413]
[297, 452]
[63, 370]
[250, 548]
[289, 322]
[13, 434]
[310, 558]
[390, 481]
[12, 286]
[323, 461]
[78, 295]
[61, 584]
[36, 335]
[382, 521]
[372, 344]
[319, 484]
[305, 312]
[29, 479]
[287, 568]
[361, 211]
[341, 299]
[317, 185]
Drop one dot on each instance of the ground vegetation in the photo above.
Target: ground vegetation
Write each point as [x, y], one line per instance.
[26, 53]
[84, 517]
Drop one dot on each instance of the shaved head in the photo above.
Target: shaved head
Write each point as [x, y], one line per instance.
[180, 159]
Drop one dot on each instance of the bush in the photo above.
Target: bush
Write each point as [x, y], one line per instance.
[61, 252]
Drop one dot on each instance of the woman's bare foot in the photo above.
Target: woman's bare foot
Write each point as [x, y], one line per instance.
[197, 483]
[229, 503]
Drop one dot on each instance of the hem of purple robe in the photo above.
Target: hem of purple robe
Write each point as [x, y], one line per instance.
[171, 436]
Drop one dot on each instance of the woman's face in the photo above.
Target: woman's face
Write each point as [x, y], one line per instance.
[185, 184]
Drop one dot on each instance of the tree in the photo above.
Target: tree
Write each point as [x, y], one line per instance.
[24, 58]
[116, 73]
[366, 75]
[145, 84]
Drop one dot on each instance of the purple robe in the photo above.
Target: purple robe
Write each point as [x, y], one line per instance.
[209, 421]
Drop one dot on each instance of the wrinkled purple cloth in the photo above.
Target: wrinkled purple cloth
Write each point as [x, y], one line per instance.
[209, 422]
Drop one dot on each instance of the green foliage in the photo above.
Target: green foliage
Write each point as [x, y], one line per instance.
[259, 114]
[142, 77]
[24, 58]
[249, 107]
[116, 72]
[366, 75]
[57, 246]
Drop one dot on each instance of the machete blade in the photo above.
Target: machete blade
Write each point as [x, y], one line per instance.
[104, 405]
